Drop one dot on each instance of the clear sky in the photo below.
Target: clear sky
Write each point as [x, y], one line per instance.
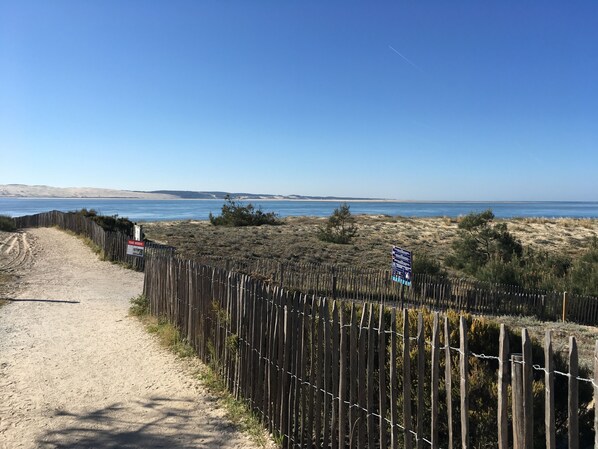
[417, 100]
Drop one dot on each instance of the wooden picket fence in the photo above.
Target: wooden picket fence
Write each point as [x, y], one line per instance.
[434, 292]
[113, 244]
[322, 373]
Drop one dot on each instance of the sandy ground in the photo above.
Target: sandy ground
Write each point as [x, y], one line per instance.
[77, 372]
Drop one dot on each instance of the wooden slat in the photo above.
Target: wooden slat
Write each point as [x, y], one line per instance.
[448, 384]
[313, 370]
[517, 401]
[284, 385]
[326, 380]
[394, 393]
[319, 368]
[503, 366]
[371, 434]
[353, 378]
[334, 388]
[342, 383]
[573, 400]
[361, 380]
[464, 384]
[549, 412]
[435, 374]
[303, 390]
[421, 353]
[407, 418]
[382, 378]
[528, 395]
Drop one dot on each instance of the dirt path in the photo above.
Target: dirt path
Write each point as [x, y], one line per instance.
[77, 372]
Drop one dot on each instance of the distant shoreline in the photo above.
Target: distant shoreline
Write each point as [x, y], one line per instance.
[320, 200]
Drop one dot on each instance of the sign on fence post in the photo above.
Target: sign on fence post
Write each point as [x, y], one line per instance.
[135, 248]
[401, 266]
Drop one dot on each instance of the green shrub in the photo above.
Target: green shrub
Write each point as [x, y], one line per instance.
[583, 275]
[139, 306]
[340, 227]
[480, 241]
[7, 224]
[235, 214]
[425, 264]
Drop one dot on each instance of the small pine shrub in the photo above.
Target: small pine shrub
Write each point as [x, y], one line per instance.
[340, 227]
[7, 224]
[235, 214]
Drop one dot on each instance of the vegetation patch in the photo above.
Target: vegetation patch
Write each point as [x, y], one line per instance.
[340, 226]
[237, 411]
[235, 214]
[139, 306]
[558, 254]
[7, 224]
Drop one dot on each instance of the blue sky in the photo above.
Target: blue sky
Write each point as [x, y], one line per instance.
[460, 100]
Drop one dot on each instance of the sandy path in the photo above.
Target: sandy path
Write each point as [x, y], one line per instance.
[77, 372]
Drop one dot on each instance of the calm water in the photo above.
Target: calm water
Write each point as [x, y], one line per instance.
[151, 210]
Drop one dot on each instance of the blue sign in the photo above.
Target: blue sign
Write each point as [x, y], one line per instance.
[401, 265]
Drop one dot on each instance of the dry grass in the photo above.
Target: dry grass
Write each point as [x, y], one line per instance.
[296, 240]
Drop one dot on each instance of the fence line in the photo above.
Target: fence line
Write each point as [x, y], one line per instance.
[327, 373]
[113, 244]
[433, 292]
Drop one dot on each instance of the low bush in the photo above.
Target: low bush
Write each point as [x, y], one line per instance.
[139, 306]
[235, 214]
[340, 227]
[7, 224]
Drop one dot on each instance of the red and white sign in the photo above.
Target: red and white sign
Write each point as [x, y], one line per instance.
[135, 248]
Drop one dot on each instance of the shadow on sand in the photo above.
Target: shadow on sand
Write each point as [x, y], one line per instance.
[155, 422]
[63, 301]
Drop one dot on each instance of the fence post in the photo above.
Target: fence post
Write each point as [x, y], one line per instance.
[333, 284]
[434, 380]
[549, 412]
[528, 397]
[503, 433]
[448, 382]
[565, 298]
[464, 386]
[573, 409]
[517, 393]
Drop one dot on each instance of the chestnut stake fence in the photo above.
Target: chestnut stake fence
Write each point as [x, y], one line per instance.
[336, 282]
[336, 374]
[112, 244]
[433, 292]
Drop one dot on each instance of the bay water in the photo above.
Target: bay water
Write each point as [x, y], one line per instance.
[161, 210]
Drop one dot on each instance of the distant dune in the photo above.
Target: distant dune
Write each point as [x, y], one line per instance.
[27, 191]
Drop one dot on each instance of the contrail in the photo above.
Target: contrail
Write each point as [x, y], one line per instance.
[410, 62]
